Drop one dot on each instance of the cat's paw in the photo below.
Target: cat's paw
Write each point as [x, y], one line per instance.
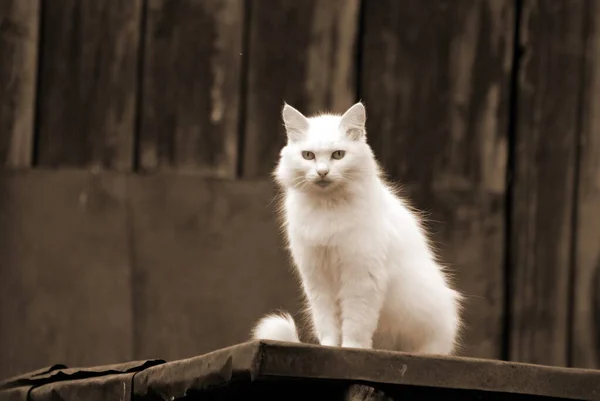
[356, 344]
[330, 342]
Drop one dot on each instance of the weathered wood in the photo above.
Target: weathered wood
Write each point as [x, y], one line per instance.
[65, 291]
[436, 84]
[273, 371]
[191, 90]
[89, 58]
[19, 21]
[585, 344]
[209, 263]
[301, 52]
[543, 181]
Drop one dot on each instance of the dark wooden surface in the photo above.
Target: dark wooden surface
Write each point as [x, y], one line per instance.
[586, 320]
[87, 92]
[65, 282]
[18, 72]
[437, 113]
[209, 262]
[300, 52]
[272, 371]
[191, 90]
[548, 93]
[292, 370]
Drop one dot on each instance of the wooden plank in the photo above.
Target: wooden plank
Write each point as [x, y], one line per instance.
[311, 66]
[437, 105]
[209, 263]
[87, 91]
[543, 185]
[64, 273]
[19, 21]
[585, 341]
[191, 91]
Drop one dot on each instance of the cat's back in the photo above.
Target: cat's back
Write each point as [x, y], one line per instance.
[401, 225]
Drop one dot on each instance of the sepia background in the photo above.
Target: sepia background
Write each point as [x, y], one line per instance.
[137, 139]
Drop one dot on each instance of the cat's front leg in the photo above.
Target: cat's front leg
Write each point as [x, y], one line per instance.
[320, 290]
[362, 291]
[323, 310]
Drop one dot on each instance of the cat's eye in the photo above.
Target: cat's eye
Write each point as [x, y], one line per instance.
[308, 155]
[338, 154]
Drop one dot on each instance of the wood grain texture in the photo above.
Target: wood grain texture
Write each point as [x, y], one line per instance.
[209, 263]
[19, 22]
[88, 72]
[549, 85]
[435, 82]
[191, 91]
[64, 273]
[300, 52]
[585, 346]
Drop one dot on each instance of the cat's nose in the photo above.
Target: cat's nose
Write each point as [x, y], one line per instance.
[322, 169]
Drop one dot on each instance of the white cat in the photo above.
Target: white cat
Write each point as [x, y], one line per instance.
[367, 269]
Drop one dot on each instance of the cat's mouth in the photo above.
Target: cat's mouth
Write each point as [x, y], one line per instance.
[323, 183]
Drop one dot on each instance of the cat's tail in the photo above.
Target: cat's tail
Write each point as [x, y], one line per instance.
[277, 327]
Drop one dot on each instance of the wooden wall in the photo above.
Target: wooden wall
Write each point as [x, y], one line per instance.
[137, 138]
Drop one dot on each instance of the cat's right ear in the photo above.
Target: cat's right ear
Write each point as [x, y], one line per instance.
[296, 124]
[353, 121]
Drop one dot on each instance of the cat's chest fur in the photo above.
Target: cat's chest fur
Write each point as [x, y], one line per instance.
[323, 225]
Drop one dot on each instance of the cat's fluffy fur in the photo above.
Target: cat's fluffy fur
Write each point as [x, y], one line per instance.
[366, 266]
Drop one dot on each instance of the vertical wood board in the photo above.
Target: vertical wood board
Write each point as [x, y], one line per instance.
[585, 339]
[88, 83]
[543, 183]
[191, 91]
[19, 22]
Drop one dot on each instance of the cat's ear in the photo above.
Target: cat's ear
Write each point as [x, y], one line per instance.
[353, 121]
[296, 124]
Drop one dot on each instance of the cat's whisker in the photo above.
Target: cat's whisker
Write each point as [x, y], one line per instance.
[300, 184]
[297, 181]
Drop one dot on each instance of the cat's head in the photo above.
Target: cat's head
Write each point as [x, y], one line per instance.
[325, 153]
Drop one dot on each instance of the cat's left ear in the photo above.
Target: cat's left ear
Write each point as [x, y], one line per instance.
[296, 124]
[353, 121]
